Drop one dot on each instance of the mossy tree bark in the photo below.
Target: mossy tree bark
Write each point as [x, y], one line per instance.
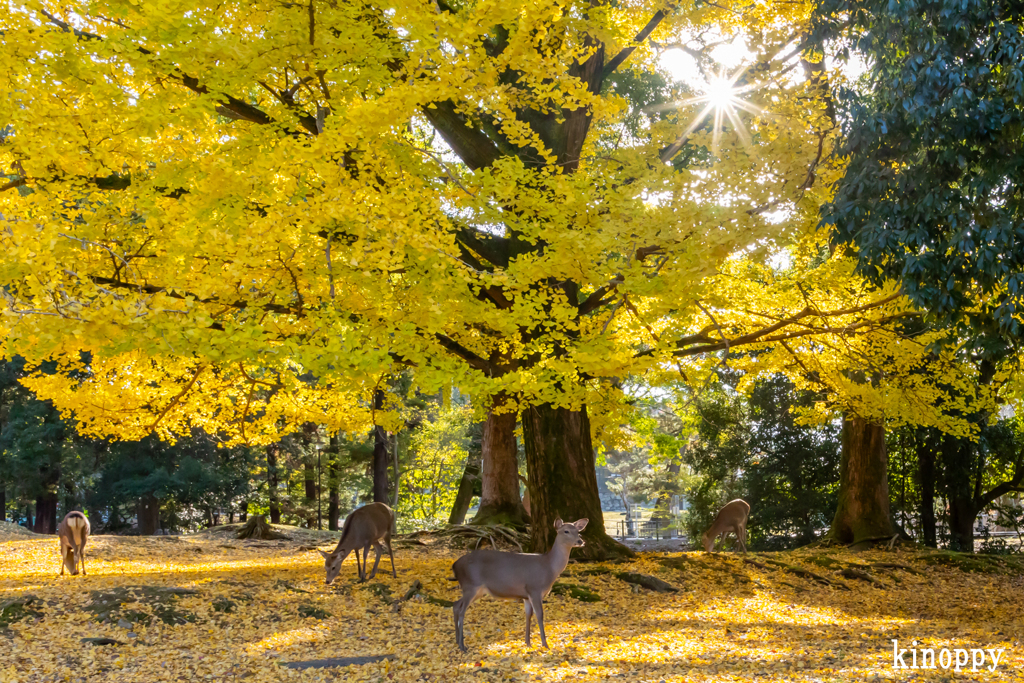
[563, 480]
[500, 502]
[863, 511]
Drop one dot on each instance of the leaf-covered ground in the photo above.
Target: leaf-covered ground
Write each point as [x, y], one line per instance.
[206, 608]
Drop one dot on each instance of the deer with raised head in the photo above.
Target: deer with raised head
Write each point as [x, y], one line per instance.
[363, 528]
[732, 517]
[514, 576]
[72, 533]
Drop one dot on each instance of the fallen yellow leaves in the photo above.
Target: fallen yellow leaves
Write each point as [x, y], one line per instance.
[197, 609]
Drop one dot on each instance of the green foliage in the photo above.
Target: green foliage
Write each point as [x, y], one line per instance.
[751, 447]
[932, 192]
[437, 454]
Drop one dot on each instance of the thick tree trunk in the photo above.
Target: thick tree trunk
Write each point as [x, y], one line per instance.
[499, 474]
[46, 513]
[272, 492]
[380, 455]
[563, 481]
[962, 513]
[469, 486]
[243, 513]
[863, 511]
[147, 512]
[926, 482]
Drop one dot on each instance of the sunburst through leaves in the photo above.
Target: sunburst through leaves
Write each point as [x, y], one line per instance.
[722, 99]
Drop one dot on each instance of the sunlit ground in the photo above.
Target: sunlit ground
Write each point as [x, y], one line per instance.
[731, 621]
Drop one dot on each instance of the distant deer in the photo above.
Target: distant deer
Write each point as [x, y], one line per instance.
[732, 517]
[514, 576]
[72, 533]
[363, 528]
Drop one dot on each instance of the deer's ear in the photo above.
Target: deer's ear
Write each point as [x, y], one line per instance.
[558, 522]
[326, 555]
[581, 524]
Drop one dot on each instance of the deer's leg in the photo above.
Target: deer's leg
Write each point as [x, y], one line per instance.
[388, 542]
[529, 616]
[537, 603]
[380, 552]
[359, 569]
[741, 535]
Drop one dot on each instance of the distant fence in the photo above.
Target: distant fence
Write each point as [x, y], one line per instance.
[655, 529]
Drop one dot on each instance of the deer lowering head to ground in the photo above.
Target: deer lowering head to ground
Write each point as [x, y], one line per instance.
[732, 517]
[514, 576]
[72, 533]
[363, 528]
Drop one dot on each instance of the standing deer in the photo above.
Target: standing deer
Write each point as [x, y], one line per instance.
[732, 517]
[72, 533]
[514, 576]
[363, 528]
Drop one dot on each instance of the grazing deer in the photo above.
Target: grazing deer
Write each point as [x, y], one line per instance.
[732, 517]
[363, 528]
[72, 534]
[514, 576]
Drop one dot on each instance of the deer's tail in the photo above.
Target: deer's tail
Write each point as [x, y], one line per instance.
[78, 528]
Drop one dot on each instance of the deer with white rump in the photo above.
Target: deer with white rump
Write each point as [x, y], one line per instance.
[72, 533]
[514, 576]
[364, 527]
[732, 517]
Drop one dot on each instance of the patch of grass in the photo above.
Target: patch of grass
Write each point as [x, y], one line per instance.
[572, 590]
[106, 605]
[18, 609]
[310, 611]
[968, 562]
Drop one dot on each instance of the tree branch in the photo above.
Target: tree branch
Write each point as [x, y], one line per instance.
[625, 53]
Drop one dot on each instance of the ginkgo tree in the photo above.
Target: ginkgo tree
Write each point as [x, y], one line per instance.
[339, 190]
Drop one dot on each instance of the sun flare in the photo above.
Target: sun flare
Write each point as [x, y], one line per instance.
[721, 98]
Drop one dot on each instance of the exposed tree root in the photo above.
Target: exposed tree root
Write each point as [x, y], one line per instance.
[257, 527]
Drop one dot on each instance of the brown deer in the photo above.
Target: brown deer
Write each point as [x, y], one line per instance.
[514, 576]
[364, 527]
[72, 533]
[732, 517]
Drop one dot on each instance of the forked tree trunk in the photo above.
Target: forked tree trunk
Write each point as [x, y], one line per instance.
[499, 485]
[958, 459]
[863, 511]
[563, 480]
